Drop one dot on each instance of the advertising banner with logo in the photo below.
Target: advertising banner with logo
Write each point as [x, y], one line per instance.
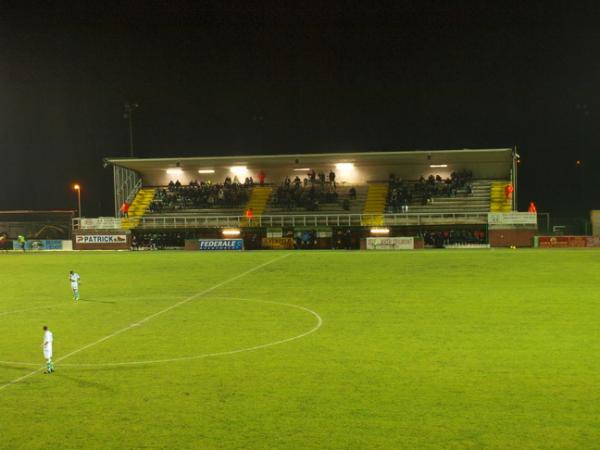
[510, 219]
[101, 223]
[221, 244]
[104, 241]
[101, 238]
[278, 243]
[39, 244]
[567, 241]
[390, 243]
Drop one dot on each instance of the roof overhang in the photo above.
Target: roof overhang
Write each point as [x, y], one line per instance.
[500, 156]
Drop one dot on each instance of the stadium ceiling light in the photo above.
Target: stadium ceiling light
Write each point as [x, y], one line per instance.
[437, 166]
[239, 170]
[175, 171]
[380, 231]
[302, 169]
[206, 171]
[344, 166]
[231, 232]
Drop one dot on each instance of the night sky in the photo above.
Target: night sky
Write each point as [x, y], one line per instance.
[253, 78]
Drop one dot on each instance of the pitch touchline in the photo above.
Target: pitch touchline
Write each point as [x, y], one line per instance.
[146, 319]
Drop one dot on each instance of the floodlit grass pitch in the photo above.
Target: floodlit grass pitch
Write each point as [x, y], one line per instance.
[432, 349]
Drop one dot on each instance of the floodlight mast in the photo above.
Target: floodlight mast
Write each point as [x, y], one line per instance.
[77, 188]
[128, 114]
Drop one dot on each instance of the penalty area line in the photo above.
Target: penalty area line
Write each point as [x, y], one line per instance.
[148, 318]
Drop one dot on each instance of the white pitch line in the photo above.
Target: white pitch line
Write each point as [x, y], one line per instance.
[207, 355]
[146, 319]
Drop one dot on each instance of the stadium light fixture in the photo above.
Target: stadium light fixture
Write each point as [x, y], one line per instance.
[437, 166]
[344, 167]
[231, 232]
[175, 171]
[206, 171]
[240, 171]
[380, 231]
[302, 169]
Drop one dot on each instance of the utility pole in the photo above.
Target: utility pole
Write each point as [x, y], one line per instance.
[130, 107]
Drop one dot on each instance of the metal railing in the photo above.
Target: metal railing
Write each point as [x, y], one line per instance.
[297, 220]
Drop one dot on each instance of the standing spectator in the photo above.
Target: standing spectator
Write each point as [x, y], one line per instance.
[532, 208]
[249, 215]
[21, 240]
[322, 178]
[332, 178]
[508, 191]
[261, 178]
[348, 239]
[125, 209]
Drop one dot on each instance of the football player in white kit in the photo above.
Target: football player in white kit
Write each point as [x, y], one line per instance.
[74, 278]
[47, 347]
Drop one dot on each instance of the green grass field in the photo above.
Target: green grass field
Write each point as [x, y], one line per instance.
[431, 349]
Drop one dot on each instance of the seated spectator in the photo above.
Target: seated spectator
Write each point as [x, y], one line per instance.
[198, 196]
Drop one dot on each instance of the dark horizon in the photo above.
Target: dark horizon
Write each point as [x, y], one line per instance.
[239, 79]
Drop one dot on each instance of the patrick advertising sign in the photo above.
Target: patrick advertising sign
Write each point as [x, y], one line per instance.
[101, 239]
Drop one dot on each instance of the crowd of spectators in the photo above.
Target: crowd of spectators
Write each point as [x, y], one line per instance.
[309, 193]
[401, 192]
[452, 237]
[201, 195]
[157, 241]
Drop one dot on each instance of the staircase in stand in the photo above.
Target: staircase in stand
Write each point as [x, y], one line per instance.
[138, 207]
[375, 204]
[498, 200]
[258, 202]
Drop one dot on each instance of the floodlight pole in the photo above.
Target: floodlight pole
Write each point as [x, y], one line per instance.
[128, 114]
[77, 188]
[79, 202]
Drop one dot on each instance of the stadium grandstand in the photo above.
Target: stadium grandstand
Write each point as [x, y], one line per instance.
[441, 197]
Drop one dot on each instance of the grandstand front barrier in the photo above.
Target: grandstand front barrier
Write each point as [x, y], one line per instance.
[332, 220]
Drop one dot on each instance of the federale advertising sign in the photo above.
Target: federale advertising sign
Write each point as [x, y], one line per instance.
[391, 243]
[101, 239]
[221, 244]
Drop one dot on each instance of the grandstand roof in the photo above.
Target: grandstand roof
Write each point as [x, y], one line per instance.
[500, 156]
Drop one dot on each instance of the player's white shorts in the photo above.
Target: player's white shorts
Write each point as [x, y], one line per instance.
[74, 286]
[48, 351]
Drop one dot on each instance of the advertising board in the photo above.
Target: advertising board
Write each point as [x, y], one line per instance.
[220, 244]
[103, 241]
[100, 238]
[523, 219]
[278, 243]
[39, 244]
[390, 243]
[101, 223]
[567, 241]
